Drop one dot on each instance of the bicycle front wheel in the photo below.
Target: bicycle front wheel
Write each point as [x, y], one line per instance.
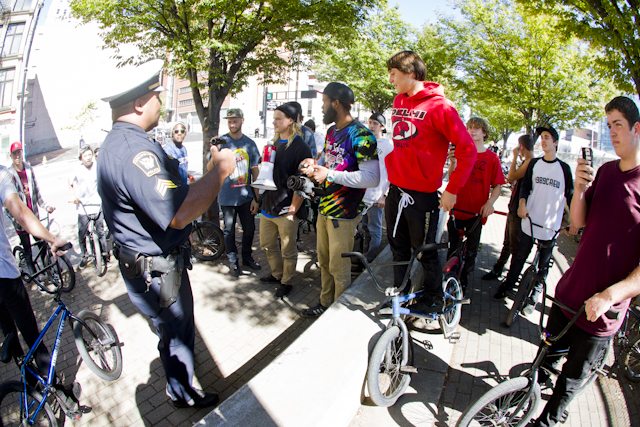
[497, 407]
[99, 261]
[385, 380]
[631, 360]
[524, 289]
[62, 274]
[207, 241]
[98, 346]
[12, 412]
[452, 309]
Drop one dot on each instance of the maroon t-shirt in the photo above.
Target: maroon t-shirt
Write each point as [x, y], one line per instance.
[25, 185]
[610, 246]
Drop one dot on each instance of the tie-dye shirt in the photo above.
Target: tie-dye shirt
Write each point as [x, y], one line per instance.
[344, 149]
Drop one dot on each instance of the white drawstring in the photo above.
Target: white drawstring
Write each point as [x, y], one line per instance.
[405, 200]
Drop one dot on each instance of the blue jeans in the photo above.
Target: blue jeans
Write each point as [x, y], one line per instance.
[373, 220]
[243, 212]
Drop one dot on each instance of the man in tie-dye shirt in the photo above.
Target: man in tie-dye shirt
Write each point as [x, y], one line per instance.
[350, 166]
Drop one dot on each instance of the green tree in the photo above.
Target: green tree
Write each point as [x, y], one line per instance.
[612, 25]
[515, 61]
[218, 44]
[362, 61]
[503, 120]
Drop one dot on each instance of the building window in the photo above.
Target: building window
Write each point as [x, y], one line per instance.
[22, 5]
[13, 39]
[6, 87]
[183, 90]
[185, 102]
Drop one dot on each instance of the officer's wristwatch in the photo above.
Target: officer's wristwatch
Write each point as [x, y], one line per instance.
[331, 176]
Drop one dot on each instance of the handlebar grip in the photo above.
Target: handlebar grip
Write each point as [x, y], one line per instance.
[67, 246]
[612, 314]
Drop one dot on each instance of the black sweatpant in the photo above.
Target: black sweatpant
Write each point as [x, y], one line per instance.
[417, 224]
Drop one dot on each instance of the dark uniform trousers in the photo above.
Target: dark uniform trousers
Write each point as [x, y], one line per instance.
[412, 232]
[175, 328]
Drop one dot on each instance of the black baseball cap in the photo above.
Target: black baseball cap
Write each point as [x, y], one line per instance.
[551, 130]
[340, 92]
[378, 118]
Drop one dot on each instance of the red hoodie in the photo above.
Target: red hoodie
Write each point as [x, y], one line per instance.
[423, 126]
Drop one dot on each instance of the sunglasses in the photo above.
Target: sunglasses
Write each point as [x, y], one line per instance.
[180, 131]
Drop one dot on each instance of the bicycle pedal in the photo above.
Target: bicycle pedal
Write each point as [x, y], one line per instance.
[407, 369]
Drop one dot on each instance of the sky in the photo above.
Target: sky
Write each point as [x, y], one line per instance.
[419, 12]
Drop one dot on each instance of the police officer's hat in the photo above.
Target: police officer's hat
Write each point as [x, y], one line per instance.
[132, 83]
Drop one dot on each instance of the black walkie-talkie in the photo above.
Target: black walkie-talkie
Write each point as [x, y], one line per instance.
[587, 154]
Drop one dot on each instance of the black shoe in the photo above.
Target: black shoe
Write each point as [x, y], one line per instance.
[314, 311]
[283, 290]
[83, 261]
[502, 292]
[251, 264]
[201, 400]
[269, 279]
[492, 275]
[235, 269]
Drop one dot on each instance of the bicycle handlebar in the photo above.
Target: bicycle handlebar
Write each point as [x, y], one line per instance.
[610, 314]
[30, 277]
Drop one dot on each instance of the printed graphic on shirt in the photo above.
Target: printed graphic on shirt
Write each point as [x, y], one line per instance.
[240, 175]
[147, 162]
[343, 150]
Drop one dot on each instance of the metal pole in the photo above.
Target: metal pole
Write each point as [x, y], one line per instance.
[264, 111]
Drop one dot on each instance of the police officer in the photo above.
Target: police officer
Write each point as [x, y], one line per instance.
[149, 209]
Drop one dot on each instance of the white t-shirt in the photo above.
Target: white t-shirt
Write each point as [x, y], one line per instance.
[8, 267]
[85, 186]
[372, 195]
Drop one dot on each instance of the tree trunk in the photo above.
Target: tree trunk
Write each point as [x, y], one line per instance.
[211, 126]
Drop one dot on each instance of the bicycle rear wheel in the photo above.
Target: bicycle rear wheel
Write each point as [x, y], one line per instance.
[12, 413]
[207, 241]
[385, 380]
[98, 346]
[524, 289]
[452, 311]
[497, 406]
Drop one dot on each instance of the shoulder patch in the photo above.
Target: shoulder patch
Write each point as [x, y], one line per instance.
[147, 162]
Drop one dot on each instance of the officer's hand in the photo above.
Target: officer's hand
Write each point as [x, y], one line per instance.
[447, 201]
[224, 161]
[584, 176]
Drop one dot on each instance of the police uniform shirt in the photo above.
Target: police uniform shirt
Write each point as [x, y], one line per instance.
[141, 191]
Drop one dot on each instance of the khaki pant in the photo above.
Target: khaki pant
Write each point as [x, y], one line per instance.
[284, 257]
[334, 238]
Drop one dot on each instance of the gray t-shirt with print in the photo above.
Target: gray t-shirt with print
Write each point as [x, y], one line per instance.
[8, 268]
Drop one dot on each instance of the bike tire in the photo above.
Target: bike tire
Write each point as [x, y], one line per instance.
[452, 312]
[524, 289]
[66, 274]
[631, 360]
[99, 262]
[98, 346]
[497, 403]
[385, 381]
[11, 413]
[207, 241]
[21, 261]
